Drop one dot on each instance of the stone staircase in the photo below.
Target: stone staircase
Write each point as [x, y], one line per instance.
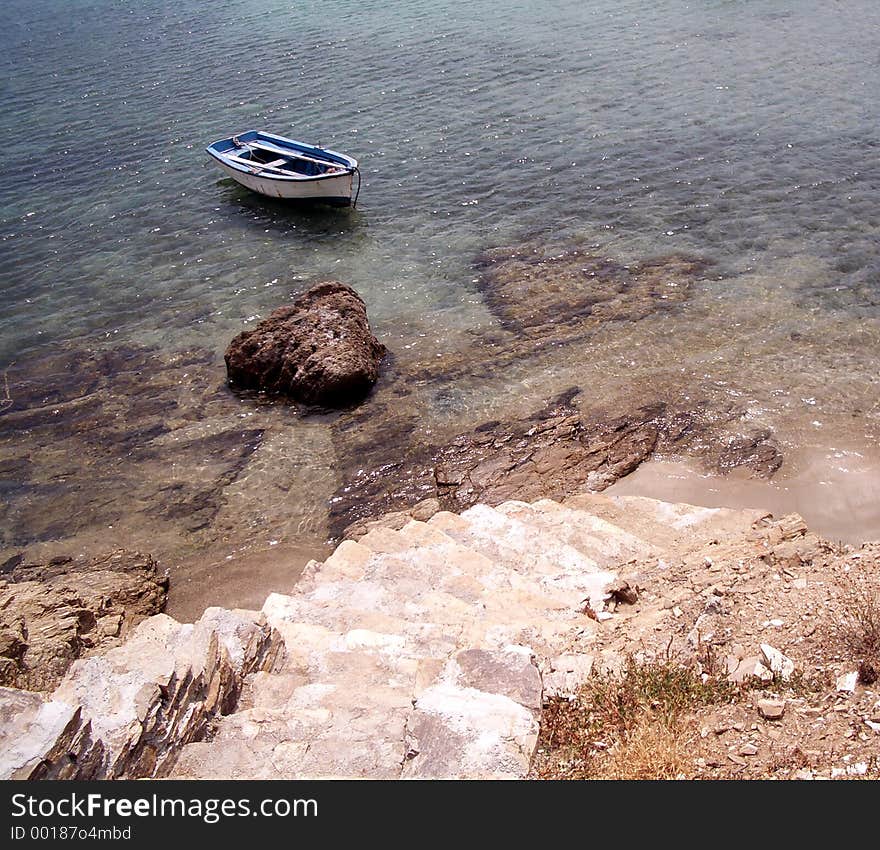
[427, 651]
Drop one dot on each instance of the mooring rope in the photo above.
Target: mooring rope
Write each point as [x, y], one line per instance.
[357, 193]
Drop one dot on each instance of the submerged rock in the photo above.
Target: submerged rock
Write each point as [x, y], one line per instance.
[51, 614]
[543, 300]
[319, 350]
[131, 439]
[557, 452]
[567, 294]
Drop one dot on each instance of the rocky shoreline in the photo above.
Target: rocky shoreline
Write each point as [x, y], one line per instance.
[462, 647]
[212, 469]
[556, 452]
[138, 448]
[51, 614]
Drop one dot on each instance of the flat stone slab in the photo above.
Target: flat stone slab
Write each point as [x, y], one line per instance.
[479, 720]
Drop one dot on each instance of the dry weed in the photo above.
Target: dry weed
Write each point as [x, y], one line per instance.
[858, 629]
[631, 725]
[651, 750]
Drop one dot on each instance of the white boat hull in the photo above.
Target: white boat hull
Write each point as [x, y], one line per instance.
[330, 189]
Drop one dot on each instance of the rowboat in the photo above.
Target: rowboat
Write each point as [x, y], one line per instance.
[284, 168]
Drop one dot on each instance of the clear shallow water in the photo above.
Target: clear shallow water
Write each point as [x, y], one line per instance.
[745, 133]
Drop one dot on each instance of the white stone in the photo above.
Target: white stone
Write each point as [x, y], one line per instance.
[779, 664]
[568, 674]
[33, 727]
[465, 733]
[365, 639]
[740, 670]
[771, 709]
[847, 682]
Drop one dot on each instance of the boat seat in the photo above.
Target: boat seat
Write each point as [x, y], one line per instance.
[274, 164]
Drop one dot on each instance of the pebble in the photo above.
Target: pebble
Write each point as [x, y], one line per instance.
[778, 663]
[771, 709]
[715, 605]
[847, 682]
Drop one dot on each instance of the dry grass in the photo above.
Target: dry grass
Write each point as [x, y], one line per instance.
[858, 630]
[632, 725]
[651, 750]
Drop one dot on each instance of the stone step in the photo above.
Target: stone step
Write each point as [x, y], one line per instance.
[397, 605]
[435, 624]
[437, 592]
[635, 517]
[474, 715]
[340, 713]
[417, 558]
[337, 712]
[665, 525]
[348, 561]
[414, 534]
[520, 549]
[607, 543]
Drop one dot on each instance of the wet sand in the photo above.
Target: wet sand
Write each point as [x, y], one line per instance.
[836, 491]
[239, 580]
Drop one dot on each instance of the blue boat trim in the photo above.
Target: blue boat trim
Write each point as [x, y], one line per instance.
[310, 178]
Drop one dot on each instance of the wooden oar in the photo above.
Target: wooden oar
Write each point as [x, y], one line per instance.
[259, 166]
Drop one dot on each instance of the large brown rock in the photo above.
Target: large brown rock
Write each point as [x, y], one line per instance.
[319, 350]
[51, 614]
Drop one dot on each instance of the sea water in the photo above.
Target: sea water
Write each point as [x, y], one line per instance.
[744, 133]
